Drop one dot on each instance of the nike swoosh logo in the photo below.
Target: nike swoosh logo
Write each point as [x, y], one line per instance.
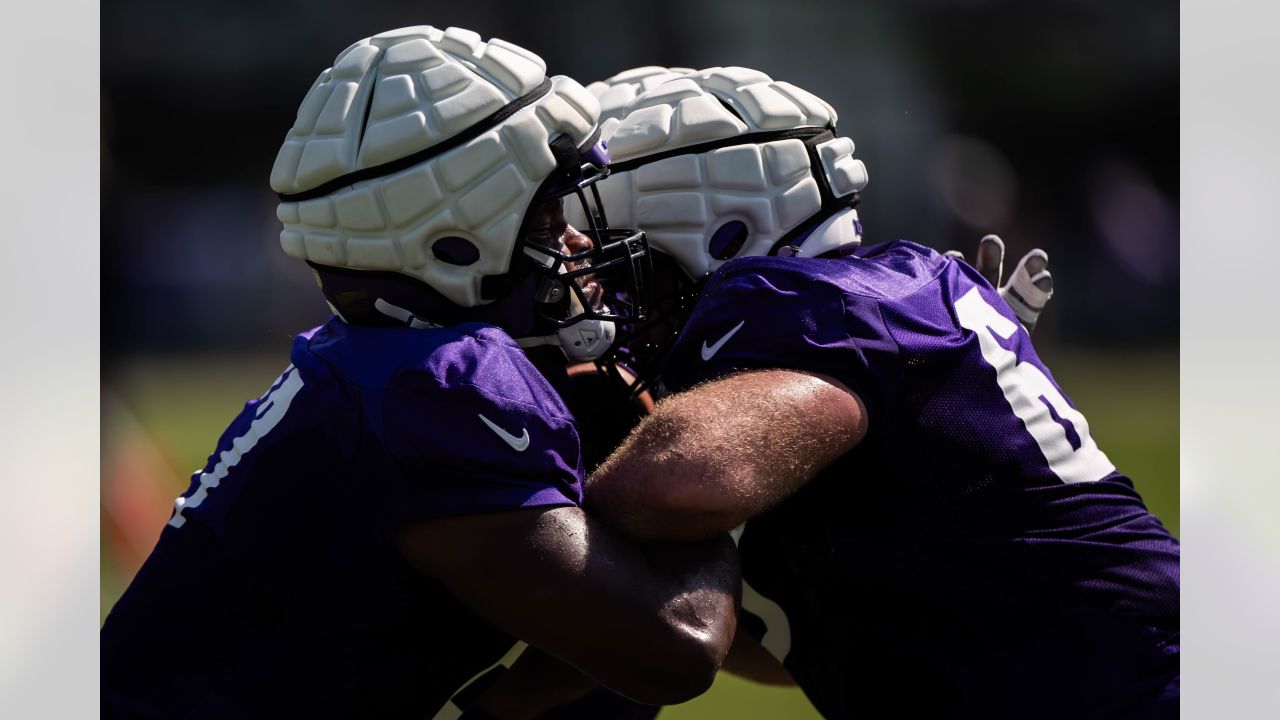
[519, 444]
[709, 350]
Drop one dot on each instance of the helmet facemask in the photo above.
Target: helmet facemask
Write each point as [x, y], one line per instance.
[571, 284]
[638, 356]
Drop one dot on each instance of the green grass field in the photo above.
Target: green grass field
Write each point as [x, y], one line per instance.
[182, 405]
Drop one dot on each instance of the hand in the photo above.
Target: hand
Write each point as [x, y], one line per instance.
[1030, 286]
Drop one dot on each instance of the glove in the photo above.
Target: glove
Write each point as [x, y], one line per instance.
[1029, 287]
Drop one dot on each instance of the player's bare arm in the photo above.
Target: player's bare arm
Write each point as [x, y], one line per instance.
[651, 622]
[537, 682]
[708, 459]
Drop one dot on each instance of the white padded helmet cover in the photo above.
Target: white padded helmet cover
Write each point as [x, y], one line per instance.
[681, 201]
[420, 86]
[690, 108]
[618, 92]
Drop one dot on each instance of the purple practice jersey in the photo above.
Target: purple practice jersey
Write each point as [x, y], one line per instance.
[277, 590]
[977, 555]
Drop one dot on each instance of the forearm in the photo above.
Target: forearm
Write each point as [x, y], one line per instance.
[709, 459]
[678, 625]
[650, 621]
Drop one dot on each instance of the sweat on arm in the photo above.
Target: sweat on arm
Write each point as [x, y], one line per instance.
[710, 458]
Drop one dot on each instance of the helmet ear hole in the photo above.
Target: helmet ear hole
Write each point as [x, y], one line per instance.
[727, 240]
[455, 250]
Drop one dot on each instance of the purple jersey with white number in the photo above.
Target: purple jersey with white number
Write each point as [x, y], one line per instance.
[276, 589]
[977, 555]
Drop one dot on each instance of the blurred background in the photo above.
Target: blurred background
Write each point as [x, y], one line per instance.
[1053, 124]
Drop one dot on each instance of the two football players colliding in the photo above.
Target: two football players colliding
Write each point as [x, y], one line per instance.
[927, 518]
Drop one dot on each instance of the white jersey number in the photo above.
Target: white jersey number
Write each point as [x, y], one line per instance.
[1034, 398]
[271, 408]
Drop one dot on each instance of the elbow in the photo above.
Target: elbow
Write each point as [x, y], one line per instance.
[682, 688]
[683, 651]
[691, 646]
[701, 653]
[681, 672]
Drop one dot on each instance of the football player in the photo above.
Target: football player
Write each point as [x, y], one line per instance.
[598, 404]
[924, 505]
[405, 498]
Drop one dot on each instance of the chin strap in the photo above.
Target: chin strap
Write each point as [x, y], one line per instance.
[401, 314]
[583, 341]
[837, 236]
[587, 340]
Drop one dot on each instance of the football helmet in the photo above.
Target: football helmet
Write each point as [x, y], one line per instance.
[618, 92]
[417, 160]
[721, 163]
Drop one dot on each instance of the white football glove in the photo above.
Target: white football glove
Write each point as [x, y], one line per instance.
[1030, 286]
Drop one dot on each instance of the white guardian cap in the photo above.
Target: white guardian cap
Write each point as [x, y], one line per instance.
[727, 162]
[421, 152]
[716, 164]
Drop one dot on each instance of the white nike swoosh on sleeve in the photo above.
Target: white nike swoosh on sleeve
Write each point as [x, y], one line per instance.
[710, 350]
[519, 444]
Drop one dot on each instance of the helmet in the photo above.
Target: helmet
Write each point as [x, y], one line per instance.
[727, 162]
[420, 155]
[721, 163]
[618, 92]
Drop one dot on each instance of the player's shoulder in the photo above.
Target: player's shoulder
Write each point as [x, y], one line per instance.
[770, 312]
[888, 271]
[446, 362]
[891, 271]
[853, 317]
[480, 363]
[769, 292]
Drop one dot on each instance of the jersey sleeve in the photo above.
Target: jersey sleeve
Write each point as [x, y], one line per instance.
[782, 314]
[487, 436]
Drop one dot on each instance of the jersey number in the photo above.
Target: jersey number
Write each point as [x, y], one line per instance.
[271, 408]
[1059, 429]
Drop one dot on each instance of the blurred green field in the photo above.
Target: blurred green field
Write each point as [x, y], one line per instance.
[182, 404]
